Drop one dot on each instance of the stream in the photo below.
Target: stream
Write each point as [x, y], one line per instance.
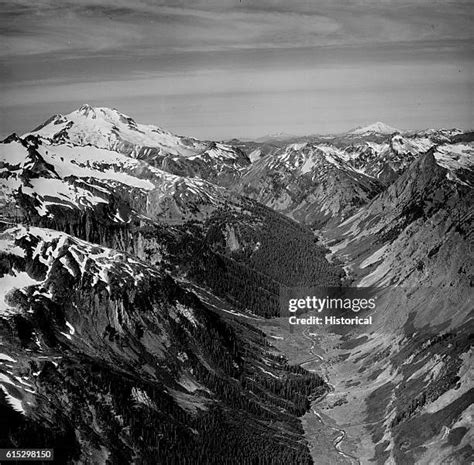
[337, 443]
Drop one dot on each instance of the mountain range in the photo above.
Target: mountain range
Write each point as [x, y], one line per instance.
[141, 277]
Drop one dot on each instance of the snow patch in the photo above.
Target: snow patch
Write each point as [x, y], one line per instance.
[375, 257]
[8, 282]
[187, 313]
[15, 403]
[7, 358]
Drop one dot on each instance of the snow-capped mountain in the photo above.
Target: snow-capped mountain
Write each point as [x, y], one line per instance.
[276, 137]
[109, 129]
[374, 128]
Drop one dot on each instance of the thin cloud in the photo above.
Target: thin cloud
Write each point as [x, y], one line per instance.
[206, 67]
[48, 26]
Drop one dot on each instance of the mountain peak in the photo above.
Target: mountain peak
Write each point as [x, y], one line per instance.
[85, 107]
[108, 114]
[86, 110]
[108, 128]
[377, 127]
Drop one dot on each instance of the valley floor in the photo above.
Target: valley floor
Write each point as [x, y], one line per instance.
[331, 431]
[353, 423]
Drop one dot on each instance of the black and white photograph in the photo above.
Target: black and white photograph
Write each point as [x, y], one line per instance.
[237, 232]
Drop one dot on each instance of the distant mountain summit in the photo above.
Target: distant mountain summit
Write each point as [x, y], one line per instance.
[107, 128]
[276, 137]
[375, 128]
[110, 129]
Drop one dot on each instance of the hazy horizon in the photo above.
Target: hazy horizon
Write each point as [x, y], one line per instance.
[242, 138]
[224, 69]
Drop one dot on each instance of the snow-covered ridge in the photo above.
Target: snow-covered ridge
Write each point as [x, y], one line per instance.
[308, 179]
[43, 264]
[309, 158]
[458, 159]
[458, 156]
[83, 177]
[54, 249]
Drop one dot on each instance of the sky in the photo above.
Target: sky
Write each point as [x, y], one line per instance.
[218, 69]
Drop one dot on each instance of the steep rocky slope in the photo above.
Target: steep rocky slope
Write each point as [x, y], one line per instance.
[315, 178]
[403, 389]
[107, 359]
[310, 183]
